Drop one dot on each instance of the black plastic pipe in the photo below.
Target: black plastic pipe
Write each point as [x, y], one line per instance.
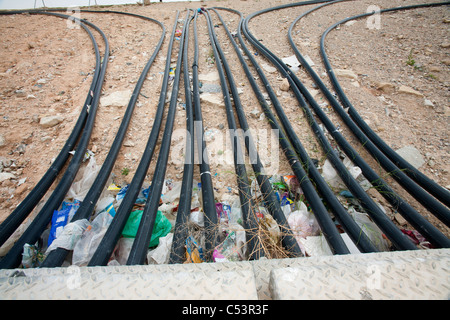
[385, 224]
[42, 219]
[139, 248]
[184, 207]
[349, 225]
[112, 235]
[430, 232]
[57, 256]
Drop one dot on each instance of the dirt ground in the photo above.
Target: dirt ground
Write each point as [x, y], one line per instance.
[46, 67]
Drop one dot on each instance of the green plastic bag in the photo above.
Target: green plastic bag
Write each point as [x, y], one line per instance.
[161, 227]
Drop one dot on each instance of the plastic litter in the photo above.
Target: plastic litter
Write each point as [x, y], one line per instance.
[194, 252]
[417, 238]
[61, 217]
[161, 227]
[31, 257]
[370, 229]
[161, 255]
[227, 250]
[84, 180]
[70, 235]
[84, 249]
[332, 178]
[316, 246]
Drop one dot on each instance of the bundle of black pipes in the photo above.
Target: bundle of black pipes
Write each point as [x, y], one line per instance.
[42, 219]
[56, 257]
[432, 196]
[409, 213]
[385, 224]
[19, 214]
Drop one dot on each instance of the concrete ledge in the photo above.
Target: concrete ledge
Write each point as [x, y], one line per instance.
[421, 274]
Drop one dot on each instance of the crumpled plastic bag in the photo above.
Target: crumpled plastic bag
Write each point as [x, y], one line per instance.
[334, 180]
[370, 229]
[303, 224]
[69, 236]
[161, 227]
[31, 256]
[122, 251]
[316, 246]
[197, 217]
[84, 180]
[227, 250]
[161, 254]
[266, 220]
[90, 239]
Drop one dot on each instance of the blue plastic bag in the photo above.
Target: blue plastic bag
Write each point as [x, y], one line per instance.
[61, 218]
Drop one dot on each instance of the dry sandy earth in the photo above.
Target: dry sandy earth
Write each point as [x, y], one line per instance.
[46, 69]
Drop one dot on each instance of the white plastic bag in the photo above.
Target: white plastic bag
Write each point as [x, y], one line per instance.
[86, 246]
[316, 246]
[334, 180]
[161, 254]
[370, 229]
[84, 180]
[122, 250]
[69, 236]
[303, 224]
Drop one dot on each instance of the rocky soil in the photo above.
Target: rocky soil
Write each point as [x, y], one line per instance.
[396, 76]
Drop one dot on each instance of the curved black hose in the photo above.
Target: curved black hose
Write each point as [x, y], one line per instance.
[13, 221]
[356, 234]
[404, 166]
[40, 222]
[327, 225]
[57, 256]
[430, 232]
[386, 225]
[139, 249]
[270, 200]
[184, 206]
[112, 235]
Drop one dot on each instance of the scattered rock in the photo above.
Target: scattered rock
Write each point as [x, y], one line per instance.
[445, 45]
[6, 176]
[2, 140]
[211, 88]
[345, 73]
[116, 99]
[20, 93]
[128, 143]
[255, 113]
[412, 155]
[408, 90]
[385, 87]
[212, 76]
[269, 68]
[51, 121]
[401, 221]
[214, 99]
[284, 86]
[428, 103]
